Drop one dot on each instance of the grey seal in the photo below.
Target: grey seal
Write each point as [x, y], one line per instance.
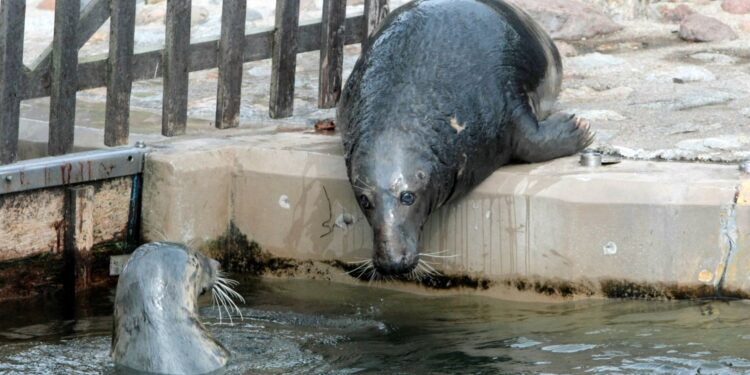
[156, 324]
[447, 92]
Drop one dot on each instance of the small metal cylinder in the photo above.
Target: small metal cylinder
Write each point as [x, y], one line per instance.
[745, 166]
[140, 144]
[591, 158]
[8, 178]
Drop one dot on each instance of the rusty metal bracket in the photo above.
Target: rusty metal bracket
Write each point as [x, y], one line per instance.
[71, 169]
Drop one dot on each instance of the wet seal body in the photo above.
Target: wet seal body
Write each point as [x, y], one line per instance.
[447, 92]
[156, 324]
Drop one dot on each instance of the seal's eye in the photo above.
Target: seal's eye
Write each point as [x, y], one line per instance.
[364, 202]
[408, 198]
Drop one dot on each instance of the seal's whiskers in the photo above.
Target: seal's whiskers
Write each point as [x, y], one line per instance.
[222, 293]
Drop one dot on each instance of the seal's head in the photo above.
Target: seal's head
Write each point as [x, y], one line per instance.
[156, 323]
[394, 182]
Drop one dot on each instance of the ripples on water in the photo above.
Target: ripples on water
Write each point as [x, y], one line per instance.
[308, 327]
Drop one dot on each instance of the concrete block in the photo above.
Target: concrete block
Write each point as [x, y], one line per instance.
[638, 221]
[187, 195]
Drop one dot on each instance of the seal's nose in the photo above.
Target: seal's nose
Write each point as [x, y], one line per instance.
[389, 261]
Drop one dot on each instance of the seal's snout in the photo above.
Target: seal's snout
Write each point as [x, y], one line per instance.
[391, 259]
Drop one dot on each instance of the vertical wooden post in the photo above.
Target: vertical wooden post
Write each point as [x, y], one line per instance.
[119, 72]
[79, 237]
[331, 52]
[231, 47]
[176, 63]
[375, 13]
[62, 113]
[12, 15]
[284, 58]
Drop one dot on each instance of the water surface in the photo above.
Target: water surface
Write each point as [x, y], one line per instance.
[312, 327]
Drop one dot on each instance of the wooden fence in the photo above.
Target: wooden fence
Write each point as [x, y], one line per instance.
[57, 73]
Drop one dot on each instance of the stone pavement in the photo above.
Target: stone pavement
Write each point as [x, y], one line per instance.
[648, 92]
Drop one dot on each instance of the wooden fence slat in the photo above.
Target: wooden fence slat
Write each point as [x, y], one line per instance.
[176, 62]
[284, 58]
[331, 52]
[119, 80]
[231, 46]
[12, 15]
[375, 13]
[64, 78]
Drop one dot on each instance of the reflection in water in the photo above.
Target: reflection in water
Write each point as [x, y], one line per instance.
[308, 327]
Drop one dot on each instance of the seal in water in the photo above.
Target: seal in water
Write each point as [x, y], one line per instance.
[156, 323]
[447, 92]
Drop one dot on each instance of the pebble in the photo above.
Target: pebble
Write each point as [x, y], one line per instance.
[676, 14]
[736, 6]
[568, 19]
[714, 58]
[699, 28]
[745, 112]
[683, 74]
[594, 60]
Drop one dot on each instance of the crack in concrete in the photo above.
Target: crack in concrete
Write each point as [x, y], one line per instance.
[729, 235]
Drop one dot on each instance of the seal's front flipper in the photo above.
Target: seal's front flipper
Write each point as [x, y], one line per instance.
[559, 135]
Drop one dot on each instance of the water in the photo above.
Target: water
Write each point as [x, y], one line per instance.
[312, 327]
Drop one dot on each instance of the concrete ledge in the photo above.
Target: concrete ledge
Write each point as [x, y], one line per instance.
[675, 223]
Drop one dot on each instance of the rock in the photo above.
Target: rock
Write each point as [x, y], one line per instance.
[714, 58]
[676, 14]
[150, 14]
[699, 28]
[308, 5]
[594, 61]
[683, 74]
[46, 5]
[568, 19]
[736, 6]
[565, 49]
[198, 15]
[745, 112]
[253, 15]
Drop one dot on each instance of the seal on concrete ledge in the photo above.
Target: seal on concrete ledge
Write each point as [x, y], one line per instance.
[447, 92]
[156, 323]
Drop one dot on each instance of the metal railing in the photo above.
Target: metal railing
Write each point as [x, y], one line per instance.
[59, 74]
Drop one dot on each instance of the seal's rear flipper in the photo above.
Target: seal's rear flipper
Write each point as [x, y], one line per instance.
[559, 135]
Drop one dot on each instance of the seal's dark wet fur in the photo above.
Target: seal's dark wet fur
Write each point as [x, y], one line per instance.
[447, 92]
